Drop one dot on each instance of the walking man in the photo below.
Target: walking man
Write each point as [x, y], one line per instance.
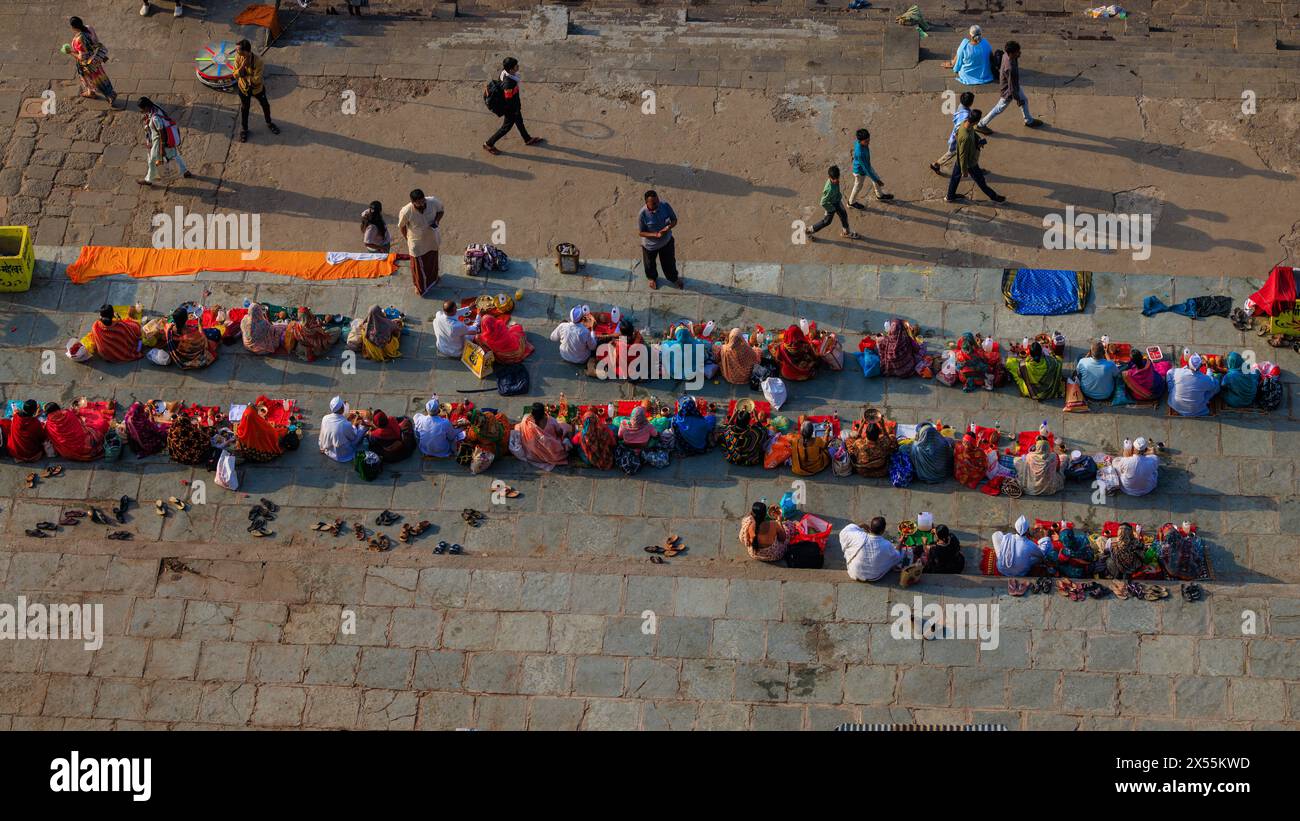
[833, 205]
[966, 100]
[248, 82]
[968, 161]
[1009, 77]
[513, 109]
[656, 223]
[862, 170]
[164, 137]
[418, 221]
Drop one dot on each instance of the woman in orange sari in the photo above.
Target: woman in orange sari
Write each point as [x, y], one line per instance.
[544, 440]
[737, 358]
[970, 461]
[189, 346]
[25, 437]
[116, 340]
[259, 440]
[795, 354]
[508, 342]
[77, 433]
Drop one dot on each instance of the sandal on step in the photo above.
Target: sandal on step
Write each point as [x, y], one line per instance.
[68, 521]
[176, 503]
[1192, 592]
[1017, 587]
[1118, 588]
[441, 548]
[36, 534]
[121, 536]
[46, 526]
[1156, 592]
[99, 517]
[269, 505]
[653, 548]
[160, 507]
[31, 480]
[657, 560]
[455, 550]
[53, 470]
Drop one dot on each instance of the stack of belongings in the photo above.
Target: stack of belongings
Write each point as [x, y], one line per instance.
[480, 257]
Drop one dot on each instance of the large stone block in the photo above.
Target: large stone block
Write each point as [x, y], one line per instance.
[902, 48]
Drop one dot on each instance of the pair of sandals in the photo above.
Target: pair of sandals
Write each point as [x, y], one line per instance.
[672, 546]
[49, 473]
[359, 530]
[410, 531]
[1019, 587]
[473, 517]
[1192, 592]
[387, 518]
[120, 536]
[332, 529]
[380, 543]
[99, 517]
[1078, 591]
[72, 517]
[160, 507]
[1137, 590]
[451, 549]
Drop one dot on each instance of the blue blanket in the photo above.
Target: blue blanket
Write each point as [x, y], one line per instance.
[1045, 291]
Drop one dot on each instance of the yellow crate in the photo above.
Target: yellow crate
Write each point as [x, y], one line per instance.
[1286, 324]
[17, 258]
[478, 359]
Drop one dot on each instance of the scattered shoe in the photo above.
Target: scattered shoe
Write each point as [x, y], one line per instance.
[257, 524]
[119, 512]
[386, 518]
[455, 550]
[359, 530]
[269, 505]
[1118, 588]
[472, 516]
[36, 534]
[380, 543]
[99, 517]
[1156, 592]
[68, 521]
[657, 560]
[160, 507]
[31, 480]
[405, 535]
[424, 525]
[77, 514]
[53, 470]
[121, 536]
[1017, 587]
[1042, 585]
[1192, 592]
[46, 526]
[441, 548]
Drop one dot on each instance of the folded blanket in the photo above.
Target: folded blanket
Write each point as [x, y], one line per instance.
[1045, 292]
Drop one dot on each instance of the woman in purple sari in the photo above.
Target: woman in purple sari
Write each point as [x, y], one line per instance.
[145, 436]
[1142, 382]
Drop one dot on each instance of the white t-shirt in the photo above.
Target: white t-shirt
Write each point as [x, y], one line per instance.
[577, 342]
[869, 557]
[450, 334]
[421, 236]
[1138, 474]
[339, 437]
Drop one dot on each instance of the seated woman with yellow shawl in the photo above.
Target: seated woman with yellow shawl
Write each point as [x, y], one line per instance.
[116, 339]
[189, 346]
[808, 453]
[375, 336]
[307, 338]
[1038, 375]
[1039, 470]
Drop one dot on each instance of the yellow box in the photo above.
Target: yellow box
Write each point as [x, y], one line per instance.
[478, 359]
[17, 258]
[1287, 324]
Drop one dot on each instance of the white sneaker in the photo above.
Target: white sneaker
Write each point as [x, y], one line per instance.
[144, 9]
[179, 10]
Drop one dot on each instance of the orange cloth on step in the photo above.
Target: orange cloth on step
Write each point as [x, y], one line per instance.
[259, 15]
[102, 260]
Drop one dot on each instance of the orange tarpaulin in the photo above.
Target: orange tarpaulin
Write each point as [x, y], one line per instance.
[102, 261]
[258, 15]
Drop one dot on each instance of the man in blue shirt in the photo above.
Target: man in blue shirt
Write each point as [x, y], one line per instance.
[656, 223]
[966, 100]
[862, 170]
[1190, 391]
[1097, 374]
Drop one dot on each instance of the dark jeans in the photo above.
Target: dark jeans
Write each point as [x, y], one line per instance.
[514, 119]
[245, 99]
[830, 215]
[976, 174]
[666, 255]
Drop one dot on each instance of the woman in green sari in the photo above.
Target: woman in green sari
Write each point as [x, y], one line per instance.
[1038, 375]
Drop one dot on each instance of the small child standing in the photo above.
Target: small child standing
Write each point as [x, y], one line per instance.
[862, 170]
[833, 204]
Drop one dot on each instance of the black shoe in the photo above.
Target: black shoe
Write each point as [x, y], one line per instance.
[858, 206]
[275, 129]
[999, 198]
[954, 198]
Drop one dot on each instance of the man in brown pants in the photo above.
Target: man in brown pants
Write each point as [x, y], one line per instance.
[418, 222]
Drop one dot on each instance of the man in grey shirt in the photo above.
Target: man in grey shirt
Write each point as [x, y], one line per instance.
[656, 222]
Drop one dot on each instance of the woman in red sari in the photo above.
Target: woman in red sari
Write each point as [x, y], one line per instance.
[76, 434]
[507, 342]
[970, 461]
[795, 354]
[116, 339]
[259, 440]
[25, 438]
[899, 351]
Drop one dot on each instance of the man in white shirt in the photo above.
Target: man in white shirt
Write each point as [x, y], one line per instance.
[418, 221]
[577, 342]
[1138, 469]
[450, 332]
[869, 555]
[339, 437]
[434, 433]
[1016, 553]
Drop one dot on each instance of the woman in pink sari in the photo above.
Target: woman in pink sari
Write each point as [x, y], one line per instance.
[508, 343]
[76, 434]
[544, 440]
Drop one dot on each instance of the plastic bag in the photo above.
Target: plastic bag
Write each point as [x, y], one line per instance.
[481, 460]
[832, 352]
[774, 392]
[227, 476]
[870, 362]
[516, 445]
[789, 507]
[76, 351]
[159, 357]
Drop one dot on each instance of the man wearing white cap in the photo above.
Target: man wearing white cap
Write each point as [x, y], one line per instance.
[577, 342]
[1017, 554]
[339, 437]
[1138, 470]
[1190, 391]
[434, 433]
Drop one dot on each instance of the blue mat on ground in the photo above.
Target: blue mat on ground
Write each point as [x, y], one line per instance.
[1045, 291]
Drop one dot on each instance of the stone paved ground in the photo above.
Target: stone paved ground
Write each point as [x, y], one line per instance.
[540, 624]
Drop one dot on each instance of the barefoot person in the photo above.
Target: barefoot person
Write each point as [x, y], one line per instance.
[90, 55]
[418, 221]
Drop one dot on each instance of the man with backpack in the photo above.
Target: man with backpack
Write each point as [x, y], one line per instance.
[1009, 78]
[164, 137]
[502, 99]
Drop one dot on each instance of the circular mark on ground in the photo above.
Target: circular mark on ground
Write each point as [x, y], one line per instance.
[587, 129]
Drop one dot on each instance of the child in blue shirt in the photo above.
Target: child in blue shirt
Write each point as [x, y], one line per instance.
[862, 170]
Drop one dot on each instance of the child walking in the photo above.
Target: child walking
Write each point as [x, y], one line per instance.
[833, 204]
[862, 171]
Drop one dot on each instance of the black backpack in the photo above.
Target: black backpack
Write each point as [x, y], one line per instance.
[996, 62]
[512, 380]
[805, 555]
[494, 97]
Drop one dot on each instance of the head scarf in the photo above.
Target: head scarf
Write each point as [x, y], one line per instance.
[691, 427]
[77, 433]
[259, 334]
[1238, 387]
[258, 439]
[1039, 470]
[636, 430]
[737, 358]
[1195, 362]
[898, 351]
[970, 462]
[500, 336]
[377, 327]
[25, 439]
[575, 314]
[970, 364]
[931, 454]
[1022, 525]
[145, 436]
[597, 442]
[686, 341]
[742, 441]
[306, 337]
[431, 407]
